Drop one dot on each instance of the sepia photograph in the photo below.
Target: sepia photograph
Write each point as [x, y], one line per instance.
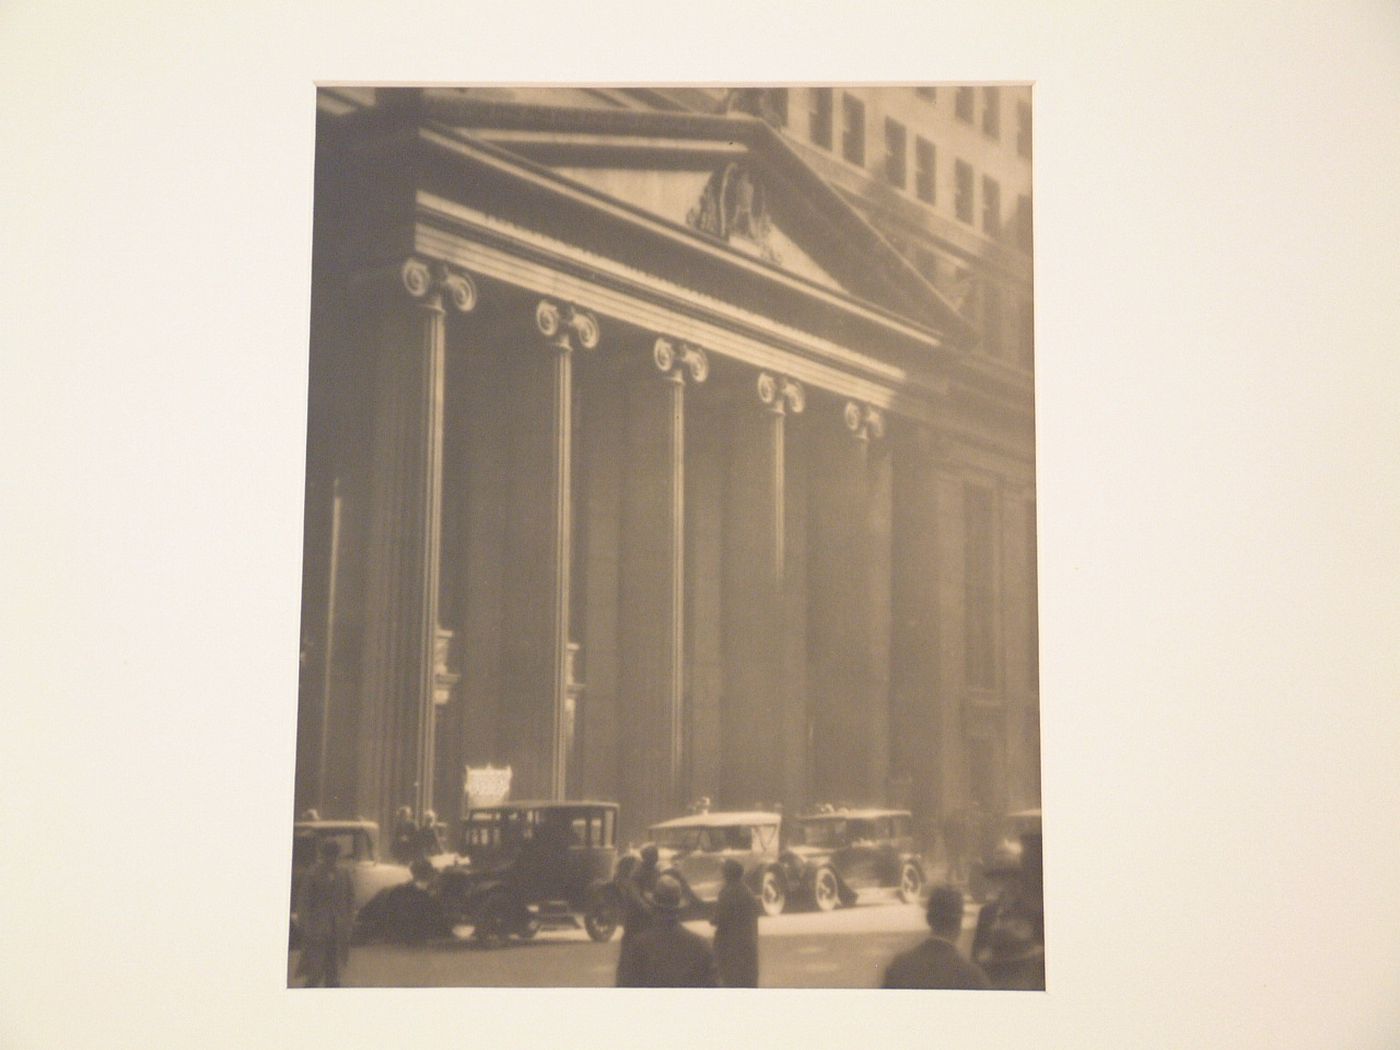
[669, 581]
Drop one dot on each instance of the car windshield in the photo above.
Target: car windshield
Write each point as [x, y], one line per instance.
[822, 833]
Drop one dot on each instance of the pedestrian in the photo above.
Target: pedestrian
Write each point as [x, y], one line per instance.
[325, 913]
[633, 890]
[427, 842]
[736, 930]
[404, 845]
[955, 844]
[666, 954]
[937, 963]
[1009, 943]
[408, 913]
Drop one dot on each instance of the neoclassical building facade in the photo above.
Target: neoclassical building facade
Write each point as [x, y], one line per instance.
[641, 462]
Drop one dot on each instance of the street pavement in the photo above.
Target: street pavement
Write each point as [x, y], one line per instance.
[847, 948]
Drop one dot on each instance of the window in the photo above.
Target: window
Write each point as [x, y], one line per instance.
[776, 103]
[980, 609]
[964, 103]
[991, 112]
[992, 320]
[962, 202]
[896, 153]
[991, 207]
[928, 94]
[1023, 129]
[924, 157]
[1024, 236]
[821, 117]
[853, 129]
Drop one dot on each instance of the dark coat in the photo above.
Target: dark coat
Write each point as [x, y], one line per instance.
[667, 955]
[934, 964]
[635, 894]
[736, 936]
[326, 914]
[406, 914]
[1009, 943]
[404, 847]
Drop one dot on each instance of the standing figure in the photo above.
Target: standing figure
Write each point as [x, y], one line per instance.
[326, 913]
[937, 963]
[634, 883]
[404, 845]
[666, 954]
[736, 930]
[427, 842]
[1009, 943]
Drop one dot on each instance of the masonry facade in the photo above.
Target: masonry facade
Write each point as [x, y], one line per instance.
[641, 462]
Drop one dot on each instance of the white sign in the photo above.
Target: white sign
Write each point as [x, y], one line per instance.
[487, 785]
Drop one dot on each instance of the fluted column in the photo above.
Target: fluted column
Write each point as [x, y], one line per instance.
[538, 556]
[754, 714]
[396, 741]
[651, 618]
[849, 623]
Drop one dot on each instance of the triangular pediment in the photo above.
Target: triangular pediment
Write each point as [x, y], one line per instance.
[728, 179]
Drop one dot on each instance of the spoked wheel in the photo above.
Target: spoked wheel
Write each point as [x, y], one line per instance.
[911, 882]
[771, 894]
[601, 920]
[493, 923]
[824, 890]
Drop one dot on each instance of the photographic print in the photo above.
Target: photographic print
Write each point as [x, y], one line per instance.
[669, 585]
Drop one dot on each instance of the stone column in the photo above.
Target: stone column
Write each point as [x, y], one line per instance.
[396, 738]
[848, 626]
[536, 637]
[754, 714]
[651, 621]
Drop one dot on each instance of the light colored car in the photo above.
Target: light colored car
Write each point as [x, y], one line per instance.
[696, 847]
[359, 854]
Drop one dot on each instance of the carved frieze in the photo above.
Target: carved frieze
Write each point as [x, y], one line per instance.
[733, 205]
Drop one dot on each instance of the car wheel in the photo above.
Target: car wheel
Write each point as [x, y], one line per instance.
[771, 893]
[911, 882]
[601, 920]
[527, 927]
[493, 921]
[825, 893]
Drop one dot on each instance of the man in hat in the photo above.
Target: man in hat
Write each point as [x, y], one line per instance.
[666, 954]
[736, 929]
[325, 913]
[937, 963]
[404, 844]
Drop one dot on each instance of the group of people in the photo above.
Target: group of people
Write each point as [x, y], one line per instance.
[658, 952]
[415, 839]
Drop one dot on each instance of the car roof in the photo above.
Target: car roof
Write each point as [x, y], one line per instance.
[334, 825]
[501, 807]
[721, 820]
[1025, 814]
[858, 814]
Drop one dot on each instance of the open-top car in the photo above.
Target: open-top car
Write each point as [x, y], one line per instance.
[835, 856]
[534, 865]
[694, 848]
[359, 846]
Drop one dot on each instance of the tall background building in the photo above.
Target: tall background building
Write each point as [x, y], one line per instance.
[658, 596]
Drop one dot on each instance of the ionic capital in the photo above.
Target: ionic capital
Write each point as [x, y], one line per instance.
[866, 422]
[435, 282]
[566, 327]
[674, 360]
[781, 394]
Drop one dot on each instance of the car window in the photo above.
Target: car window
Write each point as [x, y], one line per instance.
[862, 829]
[901, 827]
[881, 827]
[821, 833]
[739, 838]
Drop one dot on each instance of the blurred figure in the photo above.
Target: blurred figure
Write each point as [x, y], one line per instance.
[326, 913]
[408, 913]
[427, 840]
[634, 895]
[404, 844]
[736, 930]
[937, 963]
[1010, 940]
[666, 954]
[955, 844]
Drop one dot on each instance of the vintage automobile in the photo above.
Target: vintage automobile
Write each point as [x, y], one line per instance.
[835, 856]
[534, 865]
[695, 847]
[359, 841]
[1002, 852]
